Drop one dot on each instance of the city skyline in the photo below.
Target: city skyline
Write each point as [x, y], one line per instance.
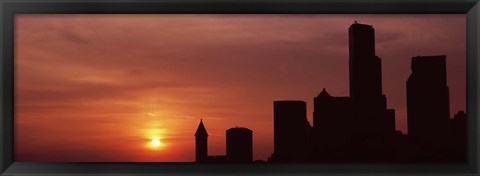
[360, 127]
[290, 75]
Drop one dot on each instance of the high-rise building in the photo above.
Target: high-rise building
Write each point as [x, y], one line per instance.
[428, 105]
[365, 67]
[201, 149]
[366, 83]
[290, 131]
[239, 145]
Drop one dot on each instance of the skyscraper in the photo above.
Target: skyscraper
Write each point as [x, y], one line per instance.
[365, 66]
[290, 130]
[201, 150]
[428, 106]
[239, 145]
[366, 83]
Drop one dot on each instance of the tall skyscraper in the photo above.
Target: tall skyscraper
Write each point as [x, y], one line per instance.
[239, 145]
[366, 83]
[428, 105]
[365, 66]
[201, 149]
[290, 130]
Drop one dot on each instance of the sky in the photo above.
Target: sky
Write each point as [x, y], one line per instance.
[102, 87]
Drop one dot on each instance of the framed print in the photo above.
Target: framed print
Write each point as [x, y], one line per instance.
[239, 88]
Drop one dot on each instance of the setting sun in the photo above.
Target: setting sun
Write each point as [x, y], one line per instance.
[155, 142]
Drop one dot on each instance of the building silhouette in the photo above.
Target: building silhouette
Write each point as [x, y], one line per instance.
[365, 70]
[360, 127]
[355, 128]
[239, 145]
[333, 126]
[201, 143]
[459, 136]
[290, 131]
[428, 106]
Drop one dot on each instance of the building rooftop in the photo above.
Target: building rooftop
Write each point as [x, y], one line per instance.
[324, 93]
[357, 24]
[239, 129]
[201, 131]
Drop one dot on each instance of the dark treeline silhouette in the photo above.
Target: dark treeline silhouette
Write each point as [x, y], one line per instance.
[360, 128]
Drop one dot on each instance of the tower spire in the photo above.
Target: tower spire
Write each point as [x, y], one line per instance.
[201, 143]
[201, 131]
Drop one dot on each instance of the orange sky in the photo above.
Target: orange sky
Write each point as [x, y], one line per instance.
[101, 87]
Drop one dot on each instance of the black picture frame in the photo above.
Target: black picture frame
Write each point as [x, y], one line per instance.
[8, 9]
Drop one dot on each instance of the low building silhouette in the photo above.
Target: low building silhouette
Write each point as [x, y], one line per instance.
[459, 136]
[333, 121]
[201, 143]
[290, 128]
[239, 145]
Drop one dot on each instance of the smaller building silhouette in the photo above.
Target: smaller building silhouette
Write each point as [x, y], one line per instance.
[459, 127]
[290, 128]
[201, 143]
[333, 120]
[459, 136]
[239, 145]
